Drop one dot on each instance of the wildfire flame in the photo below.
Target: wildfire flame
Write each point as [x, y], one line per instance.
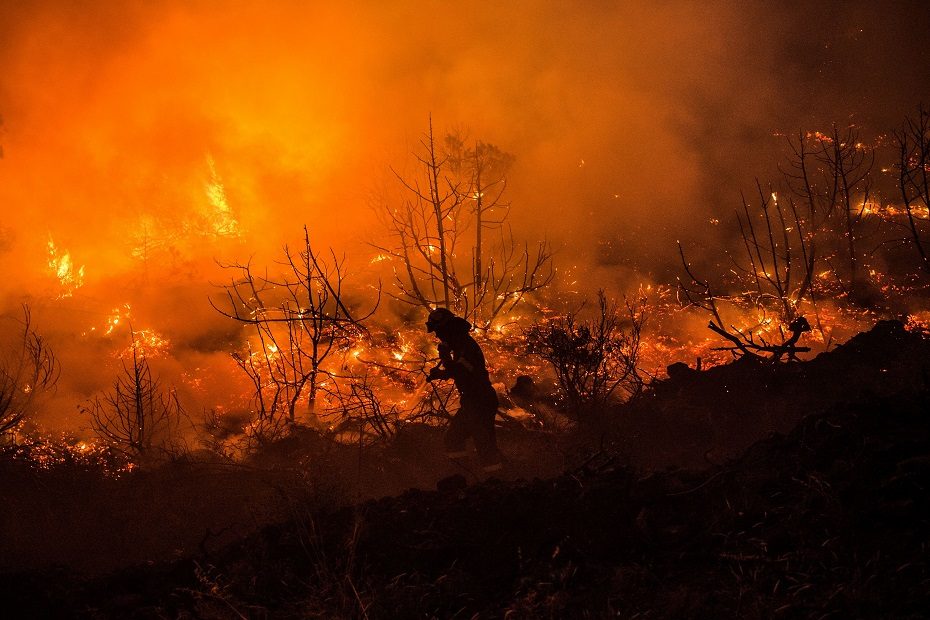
[117, 316]
[61, 266]
[148, 343]
[224, 224]
[890, 212]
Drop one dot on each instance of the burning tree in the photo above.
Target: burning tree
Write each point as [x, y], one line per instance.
[913, 141]
[831, 175]
[454, 246]
[791, 247]
[593, 358]
[26, 370]
[779, 253]
[298, 321]
[778, 267]
[138, 414]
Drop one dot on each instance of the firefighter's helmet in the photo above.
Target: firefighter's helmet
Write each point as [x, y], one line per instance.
[439, 318]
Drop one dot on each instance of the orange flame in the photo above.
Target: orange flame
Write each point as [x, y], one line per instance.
[61, 266]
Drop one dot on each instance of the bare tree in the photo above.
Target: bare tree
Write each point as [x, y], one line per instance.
[138, 415]
[913, 141]
[298, 320]
[775, 277]
[849, 164]
[751, 341]
[780, 265]
[454, 246]
[27, 369]
[593, 358]
[831, 175]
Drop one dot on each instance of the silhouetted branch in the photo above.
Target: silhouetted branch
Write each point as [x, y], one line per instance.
[460, 191]
[298, 320]
[26, 371]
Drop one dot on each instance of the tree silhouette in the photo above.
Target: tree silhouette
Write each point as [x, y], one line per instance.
[298, 320]
[137, 415]
[454, 246]
[27, 369]
[913, 141]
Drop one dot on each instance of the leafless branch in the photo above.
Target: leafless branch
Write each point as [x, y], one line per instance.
[298, 319]
[26, 371]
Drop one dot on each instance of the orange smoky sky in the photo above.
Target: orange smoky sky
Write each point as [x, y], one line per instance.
[214, 130]
[617, 112]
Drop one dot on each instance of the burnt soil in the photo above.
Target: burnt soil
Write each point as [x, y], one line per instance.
[817, 507]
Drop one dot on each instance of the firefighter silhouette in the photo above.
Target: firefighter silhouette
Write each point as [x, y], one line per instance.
[461, 359]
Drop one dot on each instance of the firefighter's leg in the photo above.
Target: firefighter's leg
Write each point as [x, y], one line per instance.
[486, 442]
[456, 435]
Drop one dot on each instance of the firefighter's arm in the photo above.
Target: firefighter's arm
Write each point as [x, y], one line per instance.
[461, 368]
[449, 368]
[445, 354]
[438, 373]
[444, 369]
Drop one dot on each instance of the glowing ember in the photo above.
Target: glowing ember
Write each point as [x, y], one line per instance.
[118, 314]
[919, 321]
[893, 213]
[147, 343]
[117, 317]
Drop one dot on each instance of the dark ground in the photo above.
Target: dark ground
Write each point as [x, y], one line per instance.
[817, 508]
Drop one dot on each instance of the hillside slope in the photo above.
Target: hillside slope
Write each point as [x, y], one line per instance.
[827, 520]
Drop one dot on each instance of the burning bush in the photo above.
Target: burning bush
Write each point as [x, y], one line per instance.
[593, 358]
[300, 322]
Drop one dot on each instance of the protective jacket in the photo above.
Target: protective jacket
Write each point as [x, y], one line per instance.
[463, 362]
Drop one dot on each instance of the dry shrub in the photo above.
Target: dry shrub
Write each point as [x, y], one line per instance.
[594, 359]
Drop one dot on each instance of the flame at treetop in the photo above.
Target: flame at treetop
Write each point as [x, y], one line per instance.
[62, 267]
[224, 223]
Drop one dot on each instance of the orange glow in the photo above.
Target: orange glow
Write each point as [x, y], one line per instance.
[148, 343]
[61, 266]
[144, 143]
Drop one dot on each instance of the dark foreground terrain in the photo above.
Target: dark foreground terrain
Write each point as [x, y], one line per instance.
[828, 518]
